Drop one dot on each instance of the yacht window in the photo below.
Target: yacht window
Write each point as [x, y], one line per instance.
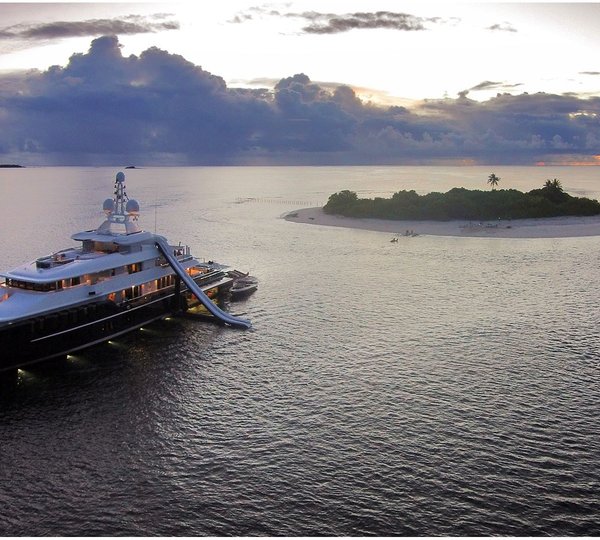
[165, 281]
[30, 286]
[105, 247]
[105, 274]
[133, 292]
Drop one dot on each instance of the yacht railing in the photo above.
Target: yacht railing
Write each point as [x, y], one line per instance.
[181, 253]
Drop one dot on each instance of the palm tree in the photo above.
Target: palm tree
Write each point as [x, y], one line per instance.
[493, 180]
[554, 185]
[553, 191]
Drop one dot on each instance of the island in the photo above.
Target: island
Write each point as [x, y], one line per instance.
[547, 212]
[10, 166]
[465, 204]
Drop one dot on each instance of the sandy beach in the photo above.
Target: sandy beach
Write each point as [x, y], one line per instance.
[559, 227]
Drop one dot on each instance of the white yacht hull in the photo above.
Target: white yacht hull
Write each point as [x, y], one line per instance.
[69, 330]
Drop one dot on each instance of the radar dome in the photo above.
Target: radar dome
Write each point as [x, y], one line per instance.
[108, 206]
[133, 207]
[120, 177]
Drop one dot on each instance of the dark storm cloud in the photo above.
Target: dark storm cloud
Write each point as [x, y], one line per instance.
[159, 108]
[131, 24]
[524, 128]
[332, 23]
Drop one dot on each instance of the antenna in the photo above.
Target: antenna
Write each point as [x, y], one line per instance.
[121, 210]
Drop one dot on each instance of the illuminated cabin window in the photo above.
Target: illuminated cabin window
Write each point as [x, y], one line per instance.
[194, 271]
[38, 287]
[53, 285]
[165, 281]
[71, 282]
[132, 292]
[105, 247]
[147, 288]
[133, 268]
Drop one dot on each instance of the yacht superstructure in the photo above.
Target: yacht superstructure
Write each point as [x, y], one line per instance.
[118, 279]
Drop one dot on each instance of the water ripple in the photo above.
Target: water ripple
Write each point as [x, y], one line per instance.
[447, 387]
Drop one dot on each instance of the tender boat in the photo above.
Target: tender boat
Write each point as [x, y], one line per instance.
[243, 284]
[118, 279]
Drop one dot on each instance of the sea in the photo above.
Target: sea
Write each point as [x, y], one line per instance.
[433, 386]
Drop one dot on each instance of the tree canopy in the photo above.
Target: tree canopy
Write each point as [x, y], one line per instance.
[464, 204]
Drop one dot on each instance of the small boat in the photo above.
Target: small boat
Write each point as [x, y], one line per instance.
[243, 284]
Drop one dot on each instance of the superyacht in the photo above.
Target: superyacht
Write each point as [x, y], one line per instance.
[116, 280]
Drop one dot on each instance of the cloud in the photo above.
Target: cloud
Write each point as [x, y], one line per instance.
[104, 108]
[502, 27]
[489, 85]
[486, 85]
[327, 23]
[516, 129]
[253, 13]
[589, 73]
[131, 24]
[332, 23]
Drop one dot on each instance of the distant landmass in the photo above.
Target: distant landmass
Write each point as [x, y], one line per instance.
[10, 166]
[464, 204]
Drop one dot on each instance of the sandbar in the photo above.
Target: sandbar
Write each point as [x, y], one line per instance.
[558, 227]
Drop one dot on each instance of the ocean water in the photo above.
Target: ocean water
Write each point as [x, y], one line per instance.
[437, 386]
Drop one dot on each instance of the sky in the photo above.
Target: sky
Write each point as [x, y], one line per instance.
[300, 82]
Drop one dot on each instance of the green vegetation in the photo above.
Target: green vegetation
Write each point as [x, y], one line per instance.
[465, 204]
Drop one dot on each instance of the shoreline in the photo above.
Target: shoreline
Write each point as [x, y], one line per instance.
[556, 227]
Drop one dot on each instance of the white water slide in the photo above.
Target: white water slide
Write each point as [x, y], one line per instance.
[218, 313]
